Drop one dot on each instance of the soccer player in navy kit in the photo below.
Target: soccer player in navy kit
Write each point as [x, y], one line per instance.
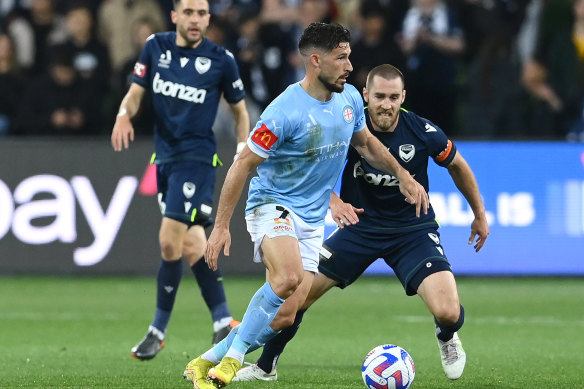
[186, 75]
[374, 222]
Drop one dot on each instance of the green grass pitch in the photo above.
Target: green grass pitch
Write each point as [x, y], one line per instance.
[77, 333]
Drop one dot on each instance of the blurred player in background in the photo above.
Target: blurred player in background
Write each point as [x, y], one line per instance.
[386, 227]
[299, 147]
[186, 75]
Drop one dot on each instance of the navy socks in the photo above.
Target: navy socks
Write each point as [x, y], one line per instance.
[211, 287]
[169, 276]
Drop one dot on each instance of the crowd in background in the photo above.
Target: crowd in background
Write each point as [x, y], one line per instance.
[481, 69]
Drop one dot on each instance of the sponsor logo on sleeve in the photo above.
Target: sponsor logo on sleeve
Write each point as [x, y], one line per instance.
[445, 153]
[237, 84]
[264, 138]
[140, 69]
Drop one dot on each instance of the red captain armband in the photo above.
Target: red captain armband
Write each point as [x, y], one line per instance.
[140, 69]
[444, 154]
[264, 138]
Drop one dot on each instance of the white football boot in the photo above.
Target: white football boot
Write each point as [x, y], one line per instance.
[254, 373]
[453, 357]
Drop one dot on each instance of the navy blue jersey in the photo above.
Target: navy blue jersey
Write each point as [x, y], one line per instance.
[186, 85]
[412, 143]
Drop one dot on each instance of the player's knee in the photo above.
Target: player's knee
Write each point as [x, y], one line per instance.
[194, 244]
[193, 253]
[287, 284]
[170, 249]
[448, 314]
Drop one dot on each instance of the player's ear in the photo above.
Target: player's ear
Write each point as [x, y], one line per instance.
[403, 96]
[173, 16]
[315, 59]
[365, 95]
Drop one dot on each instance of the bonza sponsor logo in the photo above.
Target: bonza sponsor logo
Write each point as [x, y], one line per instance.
[180, 91]
[374, 178]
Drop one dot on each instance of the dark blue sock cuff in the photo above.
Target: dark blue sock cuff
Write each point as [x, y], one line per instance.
[454, 327]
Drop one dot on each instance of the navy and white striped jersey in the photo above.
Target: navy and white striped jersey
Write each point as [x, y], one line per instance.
[186, 85]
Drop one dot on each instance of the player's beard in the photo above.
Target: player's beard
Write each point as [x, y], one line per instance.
[383, 124]
[191, 42]
[331, 86]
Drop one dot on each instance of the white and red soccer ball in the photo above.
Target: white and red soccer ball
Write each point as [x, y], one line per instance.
[388, 367]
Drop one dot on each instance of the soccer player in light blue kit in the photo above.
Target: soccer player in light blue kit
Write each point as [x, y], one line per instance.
[298, 147]
[186, 74]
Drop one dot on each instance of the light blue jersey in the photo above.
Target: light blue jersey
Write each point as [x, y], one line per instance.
[305, 142]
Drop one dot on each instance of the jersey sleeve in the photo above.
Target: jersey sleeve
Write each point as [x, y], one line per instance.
[359, 112]
[141, 73]
[269, 132]
[360, 119]
[232, 85]
[441, 149]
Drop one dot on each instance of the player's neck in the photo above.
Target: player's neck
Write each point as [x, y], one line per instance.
[316, 90]
[181, 42]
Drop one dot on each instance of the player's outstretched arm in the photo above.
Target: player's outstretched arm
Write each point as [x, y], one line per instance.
[344, 214]
[242, 126]
[123, 131]
[379, 157]
[220, 238]
[466, 183]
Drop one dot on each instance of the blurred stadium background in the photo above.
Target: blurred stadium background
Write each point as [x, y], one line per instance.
[70, 206]
[74, 207]
[83, 220]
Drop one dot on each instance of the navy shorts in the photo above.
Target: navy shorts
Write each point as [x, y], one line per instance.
[412, 255]
[185, 191]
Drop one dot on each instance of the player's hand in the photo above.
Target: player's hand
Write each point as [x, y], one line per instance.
[123, 133]
[220, 238]
[344, 214]
[479, 227]
[415, 194]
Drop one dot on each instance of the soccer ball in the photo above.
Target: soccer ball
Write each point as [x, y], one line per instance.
[388, 367]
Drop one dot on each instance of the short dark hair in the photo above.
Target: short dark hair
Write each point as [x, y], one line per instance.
[176, 3]
[323, 36]
[389, 72]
